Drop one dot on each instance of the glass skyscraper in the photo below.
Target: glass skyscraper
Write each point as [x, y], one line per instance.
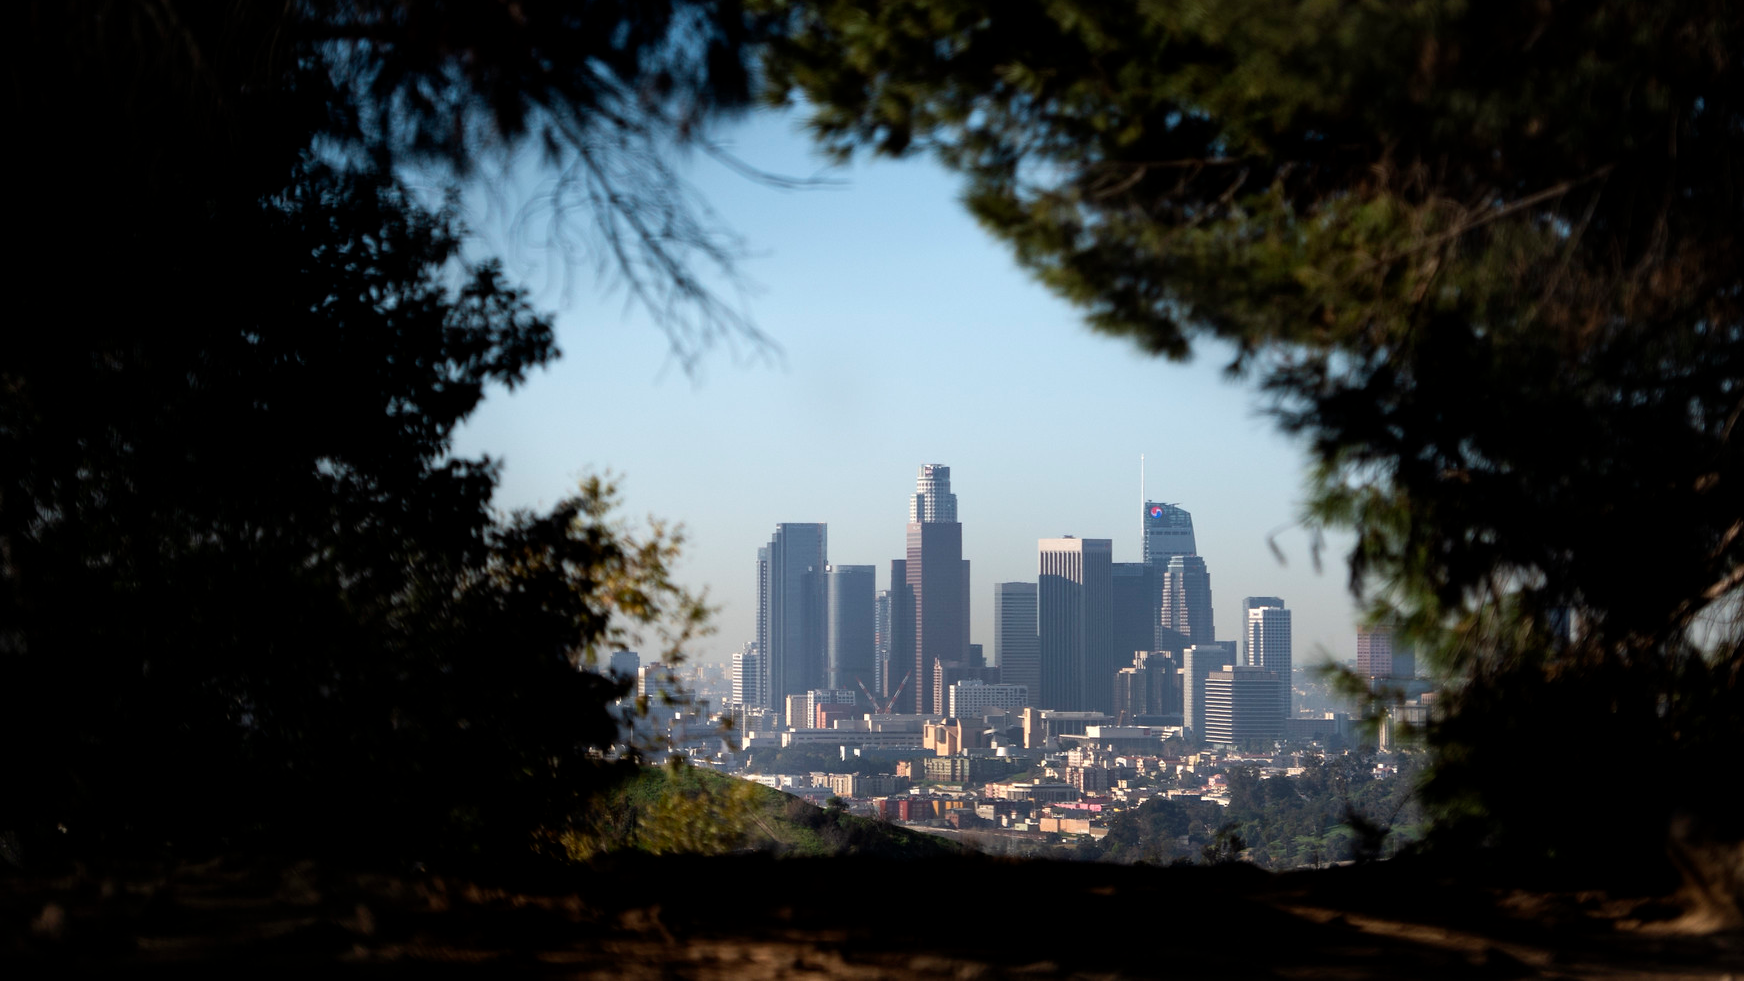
[791, 610]
[937, 582]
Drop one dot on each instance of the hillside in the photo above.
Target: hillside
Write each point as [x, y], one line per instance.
[686, 810]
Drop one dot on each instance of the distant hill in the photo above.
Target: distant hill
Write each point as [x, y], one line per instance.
[686, 810]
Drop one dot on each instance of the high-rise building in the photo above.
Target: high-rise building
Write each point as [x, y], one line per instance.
[1016, 648]
[850, 632]
[933, 502]
[791, 610]
[1198, 661]
[1149, 692]
[1075, 623]
[1186, 604]
[968, 653]
[1137, 597]
[625, 664]
[937, 577]
[1167, 532]
[1247, 604]
[1374, 652]
[899, 668]
[1241, 706]
[1404, 660]
[1268, 644]
[881, 642]
[659, 684]
[748, 677]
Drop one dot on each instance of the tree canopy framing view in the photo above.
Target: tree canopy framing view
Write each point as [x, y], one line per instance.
[249, 595]
[1483, 258]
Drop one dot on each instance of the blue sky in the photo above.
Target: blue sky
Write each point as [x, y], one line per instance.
[906, 335]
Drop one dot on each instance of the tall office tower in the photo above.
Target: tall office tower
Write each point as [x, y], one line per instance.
[1374, 652]
[1198, 661]
[765, 698]
[881, 642]
[899, 671]
[660, 685]
[933, 502]
[748, 677]
[1268, 644]
[791, 613]
[850, 631]
[1164, 668]
[1247, 604]
[1016, 648]
[936, 577]
[1131, 696]
[1241, 706]
[625, 664]
[967, 605]
[1186, 606]
[1148, 693]
[1404, 660]
[1137, 592]
[1075, 623]
[1168, 532]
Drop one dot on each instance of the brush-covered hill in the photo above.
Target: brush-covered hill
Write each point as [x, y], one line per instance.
[686, 810]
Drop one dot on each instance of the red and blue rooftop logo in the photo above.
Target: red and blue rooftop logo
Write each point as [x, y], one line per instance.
[1156, 511]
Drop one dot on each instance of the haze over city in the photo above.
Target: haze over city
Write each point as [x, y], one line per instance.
[900, 334]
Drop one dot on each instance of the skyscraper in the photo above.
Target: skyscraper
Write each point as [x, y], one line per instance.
[748, 677]
[850, 632]
[1185, 617]
[1240, 706]
[791, 610]
[1380, 655]
[1250, 603]
[900, 666]
[1197, 662]
[1167, 532]
[625, 664]
[1268, 643]
[936, 578]
[1016, 648]
[1149, 690]
[881, 643]
[1137, 597]
[933, 502]
[1075, 623]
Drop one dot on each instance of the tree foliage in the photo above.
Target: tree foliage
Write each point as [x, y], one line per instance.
[246, 590]
[1334, 811]
[1483, 257]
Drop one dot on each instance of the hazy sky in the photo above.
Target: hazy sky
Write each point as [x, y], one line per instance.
[906, 335]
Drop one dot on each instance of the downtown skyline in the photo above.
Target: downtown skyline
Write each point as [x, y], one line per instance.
[1042, 421]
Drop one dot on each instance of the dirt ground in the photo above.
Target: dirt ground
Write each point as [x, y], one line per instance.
[754, 916]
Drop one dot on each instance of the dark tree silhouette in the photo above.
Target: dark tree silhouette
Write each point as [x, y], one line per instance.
[1483, 257]
[246, 592]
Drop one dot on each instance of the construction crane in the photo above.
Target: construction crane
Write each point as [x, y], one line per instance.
[884, 709]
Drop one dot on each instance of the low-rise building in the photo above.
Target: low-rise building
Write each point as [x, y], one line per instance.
[1036, 791]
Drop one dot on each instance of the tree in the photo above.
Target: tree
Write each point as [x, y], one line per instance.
[246, 591]
[1482, 257]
